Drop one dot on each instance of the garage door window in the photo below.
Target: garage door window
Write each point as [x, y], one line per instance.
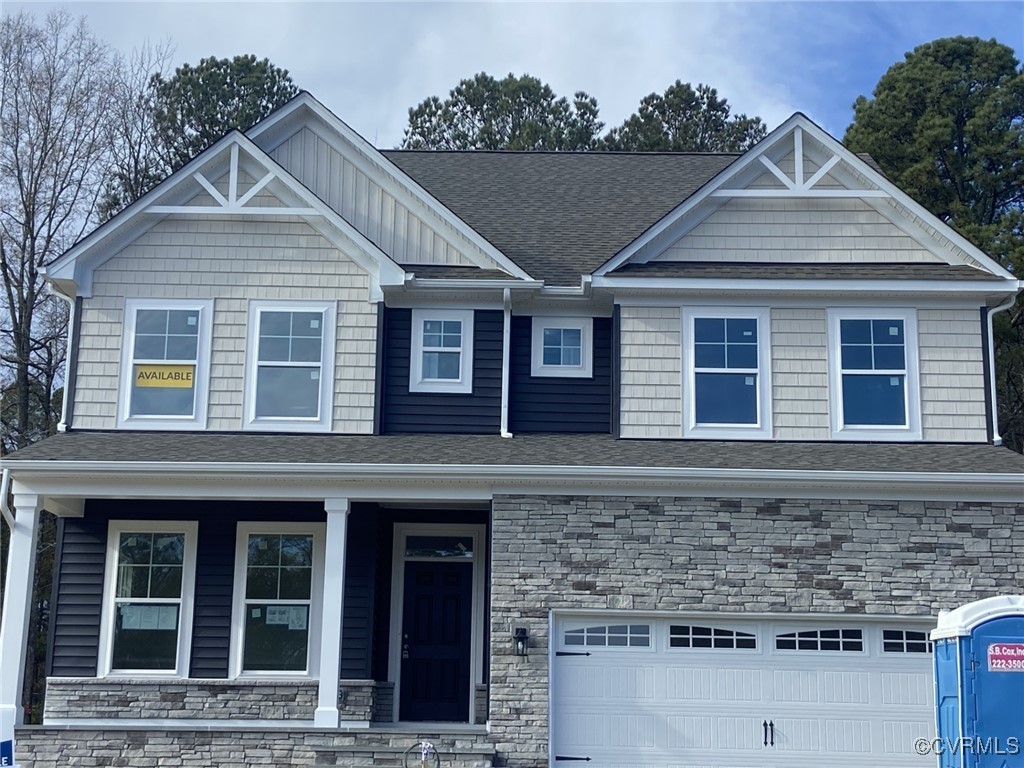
[905, 641]
[821, 640]
[615, 635]
[692, 636]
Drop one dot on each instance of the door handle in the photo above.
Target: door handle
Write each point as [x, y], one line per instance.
[771, 728]
[765, 726]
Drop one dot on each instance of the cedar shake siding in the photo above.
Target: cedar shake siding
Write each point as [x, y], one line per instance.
[478, 412]
[553, 404]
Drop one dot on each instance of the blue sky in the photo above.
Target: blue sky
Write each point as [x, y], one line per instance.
[370, 62]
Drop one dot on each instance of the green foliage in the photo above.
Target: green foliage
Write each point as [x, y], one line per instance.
[198, 105]
[685, 120]
[516, 113]
[947, 125]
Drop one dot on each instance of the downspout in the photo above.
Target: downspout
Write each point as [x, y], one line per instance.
[996, 439]
[63, 425]
[506, 343]
[5, 505]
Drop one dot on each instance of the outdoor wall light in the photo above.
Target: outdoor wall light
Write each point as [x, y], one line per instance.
[521, 641]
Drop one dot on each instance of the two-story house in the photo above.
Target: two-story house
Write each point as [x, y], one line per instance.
[632, 459]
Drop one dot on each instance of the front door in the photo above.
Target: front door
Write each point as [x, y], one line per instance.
[435, 641]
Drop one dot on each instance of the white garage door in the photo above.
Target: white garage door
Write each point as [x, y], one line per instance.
[631, 692]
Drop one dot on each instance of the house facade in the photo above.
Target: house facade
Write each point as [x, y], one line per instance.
[647, 460]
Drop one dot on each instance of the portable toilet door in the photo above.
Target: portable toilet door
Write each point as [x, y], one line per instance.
[979, 684]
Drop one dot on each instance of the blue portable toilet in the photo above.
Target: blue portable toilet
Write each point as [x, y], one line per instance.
[979, 684]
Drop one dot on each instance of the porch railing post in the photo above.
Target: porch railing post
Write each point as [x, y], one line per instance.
[332, 614]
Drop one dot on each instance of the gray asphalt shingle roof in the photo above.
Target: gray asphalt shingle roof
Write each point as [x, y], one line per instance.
[522, 450]
[560, 215]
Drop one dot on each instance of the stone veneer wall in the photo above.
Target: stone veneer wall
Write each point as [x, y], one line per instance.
[207, 699]
[647, 554]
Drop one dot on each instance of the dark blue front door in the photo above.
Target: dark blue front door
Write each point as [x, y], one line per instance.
[436, 647]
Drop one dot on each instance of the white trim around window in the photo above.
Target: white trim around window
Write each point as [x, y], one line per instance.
[751, 369]
[139, 596]
[562, 346]
[295, 611]
[179, 348]
[875, 365]
[294, 364]
[438, 336]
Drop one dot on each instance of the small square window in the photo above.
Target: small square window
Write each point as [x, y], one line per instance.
[441, 351]
[562, 346]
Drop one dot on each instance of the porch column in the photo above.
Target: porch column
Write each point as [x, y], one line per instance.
[21, 563]
[332, 612]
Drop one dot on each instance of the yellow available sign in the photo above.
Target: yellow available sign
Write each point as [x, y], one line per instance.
[179, 376]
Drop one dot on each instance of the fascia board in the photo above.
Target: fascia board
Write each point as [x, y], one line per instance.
[973, 287]
[411, 188]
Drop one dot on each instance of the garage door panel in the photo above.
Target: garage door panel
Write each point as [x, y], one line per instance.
[739, 733]
[798, 686]
[847, 737]
[704, 684]
[689, 732]
[907, 689]
[630, 683]
[847, 687]
[797, 734]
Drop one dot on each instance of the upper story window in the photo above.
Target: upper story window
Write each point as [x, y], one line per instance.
[290, 364]
[278, 577]
[442, 351]
[726, 390]
[562, 346]
[165, 364]
[147, 610]
[874, 379]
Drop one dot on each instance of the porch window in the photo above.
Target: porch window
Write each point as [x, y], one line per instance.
[441, 351]
[165, 364]
[278, 577]
[562, 346]
[150, 580]
[290, 365]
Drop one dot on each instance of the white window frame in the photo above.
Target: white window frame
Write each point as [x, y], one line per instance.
[115, 528]
[201, 377]
[762, 428]
[236, 653]
[585, 325]
[461, 385]
[323, 421]
[911, 429]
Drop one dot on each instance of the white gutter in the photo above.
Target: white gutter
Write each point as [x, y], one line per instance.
[506, 345]
[63, 425]
[458, 283]
[5, 506]
[654, 284]
[996, 438]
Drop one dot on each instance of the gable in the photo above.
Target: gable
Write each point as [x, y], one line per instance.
[799, 196]
[357, 181]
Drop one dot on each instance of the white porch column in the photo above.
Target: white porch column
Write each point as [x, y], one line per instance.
[332, 613]
[21, 563]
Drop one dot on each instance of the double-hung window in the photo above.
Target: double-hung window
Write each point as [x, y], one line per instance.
[562, 346]
[278, 578]
[726, 387]
[874, 378]
[147, 610]
[290, 363]
[441, 351]
[165, 364]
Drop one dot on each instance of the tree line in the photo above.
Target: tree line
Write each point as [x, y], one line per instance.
[85, 131]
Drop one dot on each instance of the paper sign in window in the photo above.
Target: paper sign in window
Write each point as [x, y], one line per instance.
[168, 376]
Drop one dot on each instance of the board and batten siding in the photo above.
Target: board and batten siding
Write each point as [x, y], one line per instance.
[477, 412]
[391, 226]
[797, 230]
[559, 404]
[80, 570]
[951, 372]
[230, 260]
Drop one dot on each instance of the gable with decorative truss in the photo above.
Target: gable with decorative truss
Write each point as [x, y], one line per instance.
[799, 196]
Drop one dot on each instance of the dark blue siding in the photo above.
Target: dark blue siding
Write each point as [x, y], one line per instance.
[552, 404]
[434, 412]
[76, 621]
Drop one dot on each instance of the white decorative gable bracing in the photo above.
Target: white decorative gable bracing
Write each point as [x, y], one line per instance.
[800, 196]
